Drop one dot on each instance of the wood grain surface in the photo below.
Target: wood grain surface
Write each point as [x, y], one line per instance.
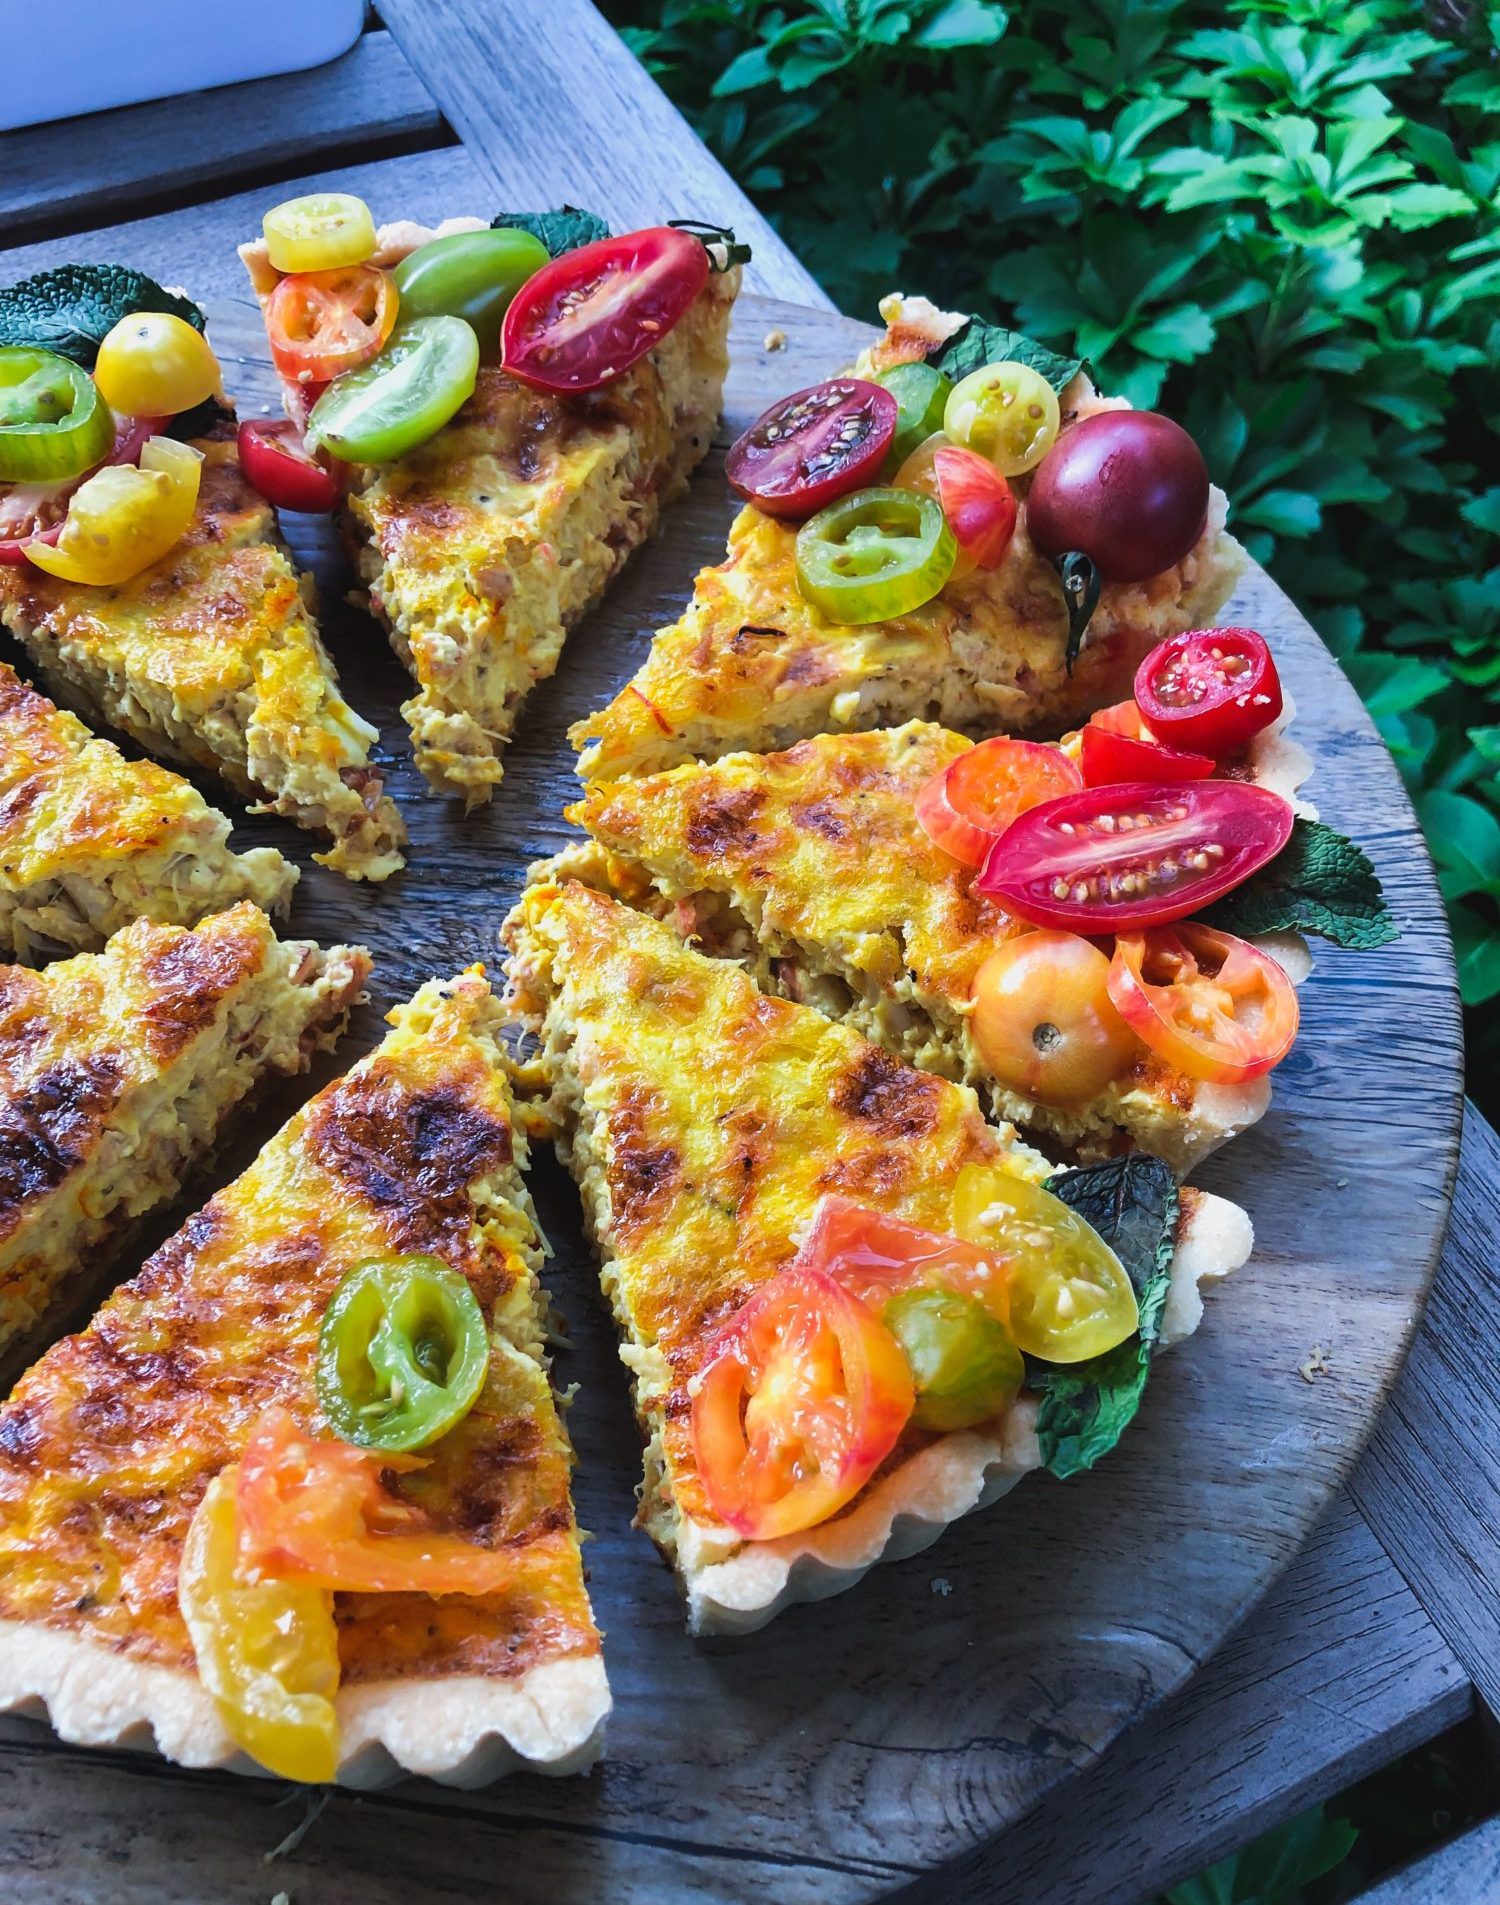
[859, 1743]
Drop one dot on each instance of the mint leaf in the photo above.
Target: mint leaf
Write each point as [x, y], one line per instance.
[1086, 1407]
[978, 344]
[563, 230]
[73, 308]
[1320, 882]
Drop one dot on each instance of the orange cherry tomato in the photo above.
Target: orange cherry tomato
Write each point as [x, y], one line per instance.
[1118, 746]
[1044, 1020]
[315, 1511]
[802, 1397]
[322, 323]
[978, 503]
[968, 804]
[1213, 1006]
[877, 1256]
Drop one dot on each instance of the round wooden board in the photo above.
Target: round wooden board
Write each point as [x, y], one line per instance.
[858, 1742]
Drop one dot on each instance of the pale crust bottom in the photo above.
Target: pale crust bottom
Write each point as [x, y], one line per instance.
[462, 1731]
[734, 1587]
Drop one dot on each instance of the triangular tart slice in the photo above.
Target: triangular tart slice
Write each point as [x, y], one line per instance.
[711, 1130]
[482, 547]
[109, 1444]
[120, 1069]
[812, 869]
[752, 665]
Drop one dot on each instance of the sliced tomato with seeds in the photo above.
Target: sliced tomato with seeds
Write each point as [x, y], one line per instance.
[1211, 689]
[1137, 854]
[1116, 745]
[1210, 1004]
[968, 804]
[802, 1396]
[322, 323]
[33, 513]
[814, 446]
[288, 474]
[587, 317]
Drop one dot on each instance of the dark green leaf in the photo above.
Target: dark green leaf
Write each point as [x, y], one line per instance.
[1086, 1407]
[1080, 587]
[1274, 1868]
[1320, 882]
[978, 344]
[73, 308]
[563, 230]
[723, 248]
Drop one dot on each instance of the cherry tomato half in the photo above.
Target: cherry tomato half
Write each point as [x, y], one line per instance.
[977, 502]
[286, 472]
[1044, 1021]
[802, 1397]
[1213, 689]
[1136, 854]
[35, 512]
[322, 323]
[1118, 746]
[589, 315]
[814, 446]
[1211, 1005]
[1127, 487]
[968, 804]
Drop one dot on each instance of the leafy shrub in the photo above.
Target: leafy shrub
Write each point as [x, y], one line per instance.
[1276, 218]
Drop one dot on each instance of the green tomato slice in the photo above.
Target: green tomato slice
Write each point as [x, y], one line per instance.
[964, 1366]
[403, 1353]
[874, 554]
[385, 408]
[469, 275]
[921, 394]
[53, 422]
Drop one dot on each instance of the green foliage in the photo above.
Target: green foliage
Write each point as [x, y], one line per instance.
[1086, 1407]
[1273, 1869]
[1275, 218]
[1321, 883]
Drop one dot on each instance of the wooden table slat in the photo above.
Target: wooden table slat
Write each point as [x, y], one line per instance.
[79, 173]
[1466, 1871]
[552, 104]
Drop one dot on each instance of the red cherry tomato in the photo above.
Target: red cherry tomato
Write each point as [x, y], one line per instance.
[876, 1255]
[1213, 689]
[968, 804]
[802, 1396]
[276, 461]
[978, 502]
[1137, 854]
[35, 512]
[1127, 487]
[1211, 1005]
[814, 446]
[1118, 746]
[589, 315]
[322, 323]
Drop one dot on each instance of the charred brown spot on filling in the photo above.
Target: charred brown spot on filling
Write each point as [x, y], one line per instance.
[16, 805]
[411, 1154]
[723, 818]
[190, 978]
[821, 817]
[894, 1100]
[643, 1175]
[17, 699]
[811, 667]
[20, 1432]
[48, 1129]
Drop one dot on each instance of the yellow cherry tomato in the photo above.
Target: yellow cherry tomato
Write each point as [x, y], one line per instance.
[153, 364]
[1007, 412]
[123, 519]
[1069, 1296]
[323, 232]
[266, 1651]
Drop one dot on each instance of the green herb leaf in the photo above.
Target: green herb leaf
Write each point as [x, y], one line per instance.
[73, 308]
[725, 251]
[1320, 882]
[563, 230]
[1080, 586]
[1086, 1407]
[978, 344]
[201, 421]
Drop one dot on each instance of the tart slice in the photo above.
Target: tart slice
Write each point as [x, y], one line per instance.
[373, 1272]
[211, 657]
[482, 546]
[90, 840]
[755, 664]
[812, 869]
[743, 1163]
[119, 1069]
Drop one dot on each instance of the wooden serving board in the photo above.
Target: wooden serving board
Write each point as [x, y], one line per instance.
[858, 1743]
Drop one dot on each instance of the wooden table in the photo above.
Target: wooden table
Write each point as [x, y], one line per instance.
[1383, 1632]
